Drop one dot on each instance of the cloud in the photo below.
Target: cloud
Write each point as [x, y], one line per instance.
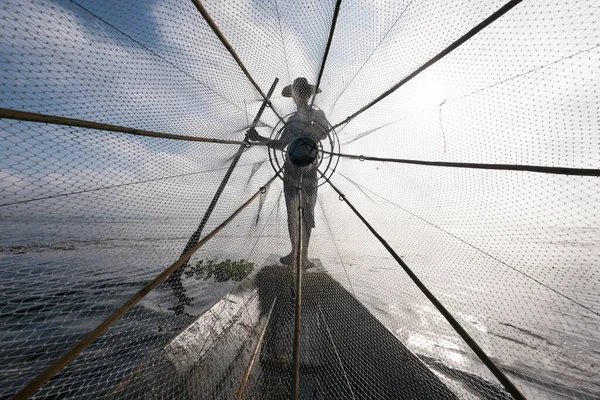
[79, 67]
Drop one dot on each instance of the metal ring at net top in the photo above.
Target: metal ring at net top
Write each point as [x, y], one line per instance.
[329, 146]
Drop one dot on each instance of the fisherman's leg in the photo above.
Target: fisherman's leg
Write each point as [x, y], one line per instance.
[306, 263]
[293, 232]
[309, 202]
[291, 202]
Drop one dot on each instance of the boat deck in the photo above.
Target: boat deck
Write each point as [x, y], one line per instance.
[345, 352]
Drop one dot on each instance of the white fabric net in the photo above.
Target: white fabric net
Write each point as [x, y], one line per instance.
[89, 216]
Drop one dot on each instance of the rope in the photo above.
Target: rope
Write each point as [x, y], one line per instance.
[479, 27]
[336, 247]
[366, 133]
[276, 209]
[285, 57]
[369, 57]
[175, 278]
[336, 11]
[335, 350]
[35, 384]
[218, 316]
[510, 387]
[117, 186]
[261, 336]
[503, 167]
[229, 48]
[360, 187]
[521, 74]
[80, 123]
[157, 55]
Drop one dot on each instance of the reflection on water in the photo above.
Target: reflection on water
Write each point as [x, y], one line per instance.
[429, 345]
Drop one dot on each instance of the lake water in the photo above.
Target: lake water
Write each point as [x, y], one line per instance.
[60, 278]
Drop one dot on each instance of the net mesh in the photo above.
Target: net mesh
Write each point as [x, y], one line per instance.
[90, 216]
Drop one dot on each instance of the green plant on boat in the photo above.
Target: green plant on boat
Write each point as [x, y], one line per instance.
[222, 271]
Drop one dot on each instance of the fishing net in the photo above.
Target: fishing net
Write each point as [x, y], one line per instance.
[91, 213]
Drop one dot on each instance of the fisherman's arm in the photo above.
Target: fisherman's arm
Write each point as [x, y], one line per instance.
[322, 121]
[278, 144]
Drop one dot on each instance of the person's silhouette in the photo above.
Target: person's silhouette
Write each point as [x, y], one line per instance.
[301, 134]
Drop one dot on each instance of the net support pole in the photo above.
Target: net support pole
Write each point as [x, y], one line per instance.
[336, 12]
[242, 389]
[6, 113]
[543, 169]
[457, 43]
[507, 383]
[36, 383]
[175, 279]
[297, 308]
[213, 26]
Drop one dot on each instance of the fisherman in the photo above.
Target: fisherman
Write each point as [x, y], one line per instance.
[301, 135]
